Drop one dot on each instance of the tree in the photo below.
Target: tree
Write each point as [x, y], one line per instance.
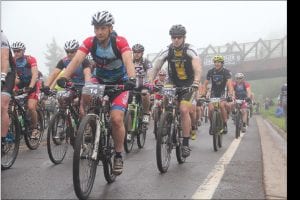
[53, 55]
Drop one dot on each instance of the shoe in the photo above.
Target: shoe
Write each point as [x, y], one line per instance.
[146, 118]
[193, 134]
[243, 129]
[35, 134]
[117, 166]
[185, 151]
[225, 129]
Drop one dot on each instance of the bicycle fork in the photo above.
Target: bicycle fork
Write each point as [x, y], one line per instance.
[97, 139]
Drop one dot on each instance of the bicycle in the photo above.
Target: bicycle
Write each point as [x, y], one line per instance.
[217, 125]
[94, 141]
[238, 117]
[157, 110]
[169, 134]
[64, 123]
[135, 127]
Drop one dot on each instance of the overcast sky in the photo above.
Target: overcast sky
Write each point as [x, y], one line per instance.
[147, 22]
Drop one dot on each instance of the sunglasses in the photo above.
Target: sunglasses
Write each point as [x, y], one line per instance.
[17, 51]
[73, 51]
[137, 52]
[178, 37]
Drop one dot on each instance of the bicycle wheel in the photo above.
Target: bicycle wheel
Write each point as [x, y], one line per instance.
[248, 116]
[33, 144]
[142, 130]
[9, 151]
[220, 129]
[84, 167]
[46, 118]
[156, 115]
[237, 124]
[57, 145]
[163, 143]
[107, 161]
[206, 114]
[129, 135]
[214, 129]
[178, 141]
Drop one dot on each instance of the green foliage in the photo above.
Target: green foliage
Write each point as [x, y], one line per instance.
[53, 55]
[270, 114]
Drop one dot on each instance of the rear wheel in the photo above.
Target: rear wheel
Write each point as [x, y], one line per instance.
[84, 167]
[163, 143]
[34, 143]
[57, 143]
[10, 149]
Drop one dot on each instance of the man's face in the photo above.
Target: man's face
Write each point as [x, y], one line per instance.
[218, 65]
[177, 40]
[71, 53]
[161, 77]
[102, 32]
[18, 53]
[137, 55]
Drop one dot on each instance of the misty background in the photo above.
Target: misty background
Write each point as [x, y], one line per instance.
[38, 23]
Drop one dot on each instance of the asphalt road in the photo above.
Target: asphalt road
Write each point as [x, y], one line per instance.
[236, 171]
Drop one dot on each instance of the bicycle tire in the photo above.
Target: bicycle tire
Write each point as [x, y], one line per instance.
[179, 139]
[108, 160]
[220, 129]
[156, 116]
[33, 144]
[128, 144]
[163, 137]
[57, 147]
[83, 191]
[15, 129]
[237, 124]
[142, 129]
[214, 129]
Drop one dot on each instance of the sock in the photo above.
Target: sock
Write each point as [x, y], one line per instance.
[194, 128]
[185, 141]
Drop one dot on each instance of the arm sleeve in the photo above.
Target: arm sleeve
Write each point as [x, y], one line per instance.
[60, 65]
[122, 44]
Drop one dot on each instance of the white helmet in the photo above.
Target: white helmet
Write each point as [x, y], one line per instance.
[102, 18]
[239, 76]
[71, 45]
[18, 45]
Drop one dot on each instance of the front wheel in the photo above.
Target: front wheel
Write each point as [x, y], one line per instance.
[129, 135]
[84, 167]
[237, 124]
[10, 149]
[107, 161]
[57, 145]
[33, 144]
[163, 143]
[179, 139]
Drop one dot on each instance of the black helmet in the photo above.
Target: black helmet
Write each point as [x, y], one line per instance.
[177, 29]
[138, 48]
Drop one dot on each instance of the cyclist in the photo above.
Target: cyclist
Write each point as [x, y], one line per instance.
[283, 101]
[142, 65]
[82, 73]
[220, 78]
[242, 90]
[184, 70]
[199, 108]
[27, 78]
[8, 73]
[113, 65]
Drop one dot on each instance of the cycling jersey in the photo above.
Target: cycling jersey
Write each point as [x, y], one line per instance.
[23, 68]
[180, 67]
[240, 89]
[141, 69]
[77, 76]
[219, 79]
[109, 68]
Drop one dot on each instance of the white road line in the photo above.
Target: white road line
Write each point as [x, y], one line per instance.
[209, 185]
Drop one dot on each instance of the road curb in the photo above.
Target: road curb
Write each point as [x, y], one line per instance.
[281, 132]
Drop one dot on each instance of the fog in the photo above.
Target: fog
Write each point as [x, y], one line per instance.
[148, 22]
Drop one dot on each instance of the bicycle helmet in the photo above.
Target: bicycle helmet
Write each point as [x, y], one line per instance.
[102, 18]
[162, 72]
[18, 45]
[71, 45]
[138, 48]
[177, 29]
[218, 58]
[239, 76]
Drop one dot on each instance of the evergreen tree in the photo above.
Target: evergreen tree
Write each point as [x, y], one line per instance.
[53, 55]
